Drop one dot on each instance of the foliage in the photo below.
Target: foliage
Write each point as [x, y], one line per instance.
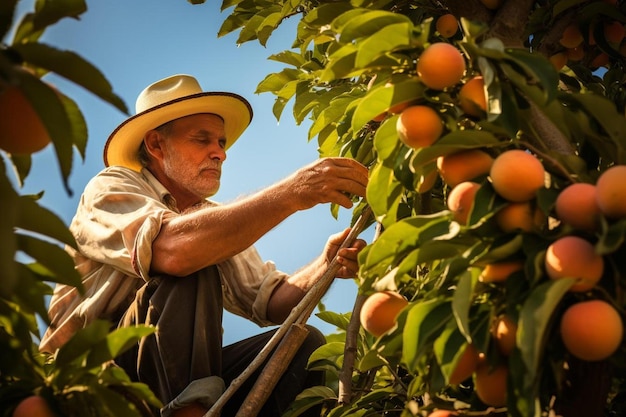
[80, 377]
[352, 61]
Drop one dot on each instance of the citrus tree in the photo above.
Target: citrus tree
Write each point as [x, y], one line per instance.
[78, 379]
[495, 136]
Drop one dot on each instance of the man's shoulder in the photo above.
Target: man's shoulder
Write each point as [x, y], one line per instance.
[114, 177]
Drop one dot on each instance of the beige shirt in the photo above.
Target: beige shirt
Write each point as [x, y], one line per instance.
[119, 215]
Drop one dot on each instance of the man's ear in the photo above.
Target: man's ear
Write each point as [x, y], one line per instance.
[153, 144]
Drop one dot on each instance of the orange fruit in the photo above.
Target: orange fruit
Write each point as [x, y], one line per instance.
[419, 126]
[491, 384]
[472, 98]
[515, 217]
[611, 192]
[517, 175]
[558, 60]
[33, 406]
[461, 200]
[504, 333]
[465, 366]
[427, 182]
[575, 54]
[21, 128]
[380, 311]
[614, 32]
[591, 330]
[440, 66]
[571, 37]
[447, 25]
[499, 271]
[574, 257]
[577, 206]
[461, 166]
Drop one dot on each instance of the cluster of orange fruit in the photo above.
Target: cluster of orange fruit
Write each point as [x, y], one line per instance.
[576, 46]
[592, 329]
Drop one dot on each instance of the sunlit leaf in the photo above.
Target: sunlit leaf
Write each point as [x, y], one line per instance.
[52, 257]
[535, 318]
[80, 343]
[381, 99]
[425, 320]
[386, 40]
[38, 219]
[46, 14]
[115, 343]
[448, 348]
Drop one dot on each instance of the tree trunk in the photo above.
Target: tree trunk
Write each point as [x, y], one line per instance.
[586, 390]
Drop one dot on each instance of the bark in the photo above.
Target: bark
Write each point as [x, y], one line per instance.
[587, 389]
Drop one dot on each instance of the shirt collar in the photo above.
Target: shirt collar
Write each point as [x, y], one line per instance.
[165, 196]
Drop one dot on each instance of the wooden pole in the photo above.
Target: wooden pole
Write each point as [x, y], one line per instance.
[299, 314]
[273, 370]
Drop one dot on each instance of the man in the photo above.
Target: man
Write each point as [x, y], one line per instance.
[153, 250]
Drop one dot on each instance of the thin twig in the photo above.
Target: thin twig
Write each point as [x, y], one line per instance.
[349, 354]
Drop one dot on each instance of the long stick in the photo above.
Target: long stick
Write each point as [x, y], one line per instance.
[273, 370]
[300, 312]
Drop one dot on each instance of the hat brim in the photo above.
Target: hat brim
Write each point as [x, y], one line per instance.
[122, 146]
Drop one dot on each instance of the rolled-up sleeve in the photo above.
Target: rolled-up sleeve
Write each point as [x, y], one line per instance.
[118, 219]
[248, 283]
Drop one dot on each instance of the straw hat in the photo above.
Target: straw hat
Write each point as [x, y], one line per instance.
[168, 99]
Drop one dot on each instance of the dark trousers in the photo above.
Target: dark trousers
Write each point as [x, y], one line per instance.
[187, 345]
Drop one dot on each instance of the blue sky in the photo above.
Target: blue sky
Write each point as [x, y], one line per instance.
[137, 42]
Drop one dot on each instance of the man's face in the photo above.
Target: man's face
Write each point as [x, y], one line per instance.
[193, 153]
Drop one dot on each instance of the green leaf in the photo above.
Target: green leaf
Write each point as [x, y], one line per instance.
[425, 321]
[381, 99]
[449, 347]
[339, 320]
[367, 23]
[612, 238]
[52, 257]
[371, 360]
[611, 121]
[49, 107]
[116, 343]
[383, 190]
[340, 65]
[403, 236]
[535, 317]
[308, 398]
[267, 26]
[7, 12]
[47, 13]
[38, 219]
[386, 40]
[453, 142]
[31, 292]
[329, 350]
[72, 67]
[9, 204]
[81, 343]
[386, 140]
[462, 301]
[277, 81]
[109, 402]
[538, 69]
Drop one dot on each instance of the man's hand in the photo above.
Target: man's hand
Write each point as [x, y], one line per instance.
[346, 257]
[327, 180]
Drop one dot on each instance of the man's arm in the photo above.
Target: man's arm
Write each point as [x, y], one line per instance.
[192, 241]
[286, 296]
